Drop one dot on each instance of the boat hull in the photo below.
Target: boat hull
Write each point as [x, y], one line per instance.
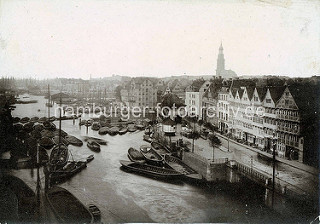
[179, 166]
[66, 173]
[149, 170]
[67, 208]
[151, 156]
[58, 157]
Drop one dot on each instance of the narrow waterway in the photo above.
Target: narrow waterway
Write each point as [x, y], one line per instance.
[128, 197]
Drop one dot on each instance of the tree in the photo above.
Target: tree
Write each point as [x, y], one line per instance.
[194, 135]
[118, 92]
[214, 141]
[200, 122]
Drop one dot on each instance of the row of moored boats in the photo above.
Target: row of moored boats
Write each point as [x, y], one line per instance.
[156, 160]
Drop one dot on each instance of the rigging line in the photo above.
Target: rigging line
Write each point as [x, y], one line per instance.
[71, 155]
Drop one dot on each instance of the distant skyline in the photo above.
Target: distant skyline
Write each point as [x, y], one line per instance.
[76, 39]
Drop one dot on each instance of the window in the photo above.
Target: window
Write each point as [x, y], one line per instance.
[268, 100]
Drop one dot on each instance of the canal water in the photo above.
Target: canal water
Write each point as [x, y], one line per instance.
[128, 197]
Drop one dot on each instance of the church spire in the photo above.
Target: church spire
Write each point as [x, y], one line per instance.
[220, 61]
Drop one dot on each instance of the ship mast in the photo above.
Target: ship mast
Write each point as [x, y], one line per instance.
[48, 101]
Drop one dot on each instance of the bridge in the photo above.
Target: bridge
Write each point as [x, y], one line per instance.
[281, 187]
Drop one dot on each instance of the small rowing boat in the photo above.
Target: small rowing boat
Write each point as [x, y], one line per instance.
[153, 171]
[34, 119]
[48, 133]
[131, 128]
[24, 120]
[58, 157]
[16, 119]
[98, 140]
[42, 119]
[49, 126]
[151, 156]
[90, 158]
[159, 148]
[135, 155]
[123, 130]
[140, 126]
[104, 130]
[93, 145]
[113, 131]
[63, 133]
[95, 126]
[67, 172]
[73, 140]
[147, 138]
[88, 123]
[56, 140]
[46, 143]
[28, 127]
[96, 213]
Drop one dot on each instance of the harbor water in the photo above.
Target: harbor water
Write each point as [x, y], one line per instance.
[128, 197]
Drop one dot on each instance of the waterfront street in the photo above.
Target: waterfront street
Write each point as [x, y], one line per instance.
[295, 178]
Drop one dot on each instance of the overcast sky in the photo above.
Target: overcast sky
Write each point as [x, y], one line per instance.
[158, 38]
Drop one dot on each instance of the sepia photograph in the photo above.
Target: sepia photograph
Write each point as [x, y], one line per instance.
[159, 111]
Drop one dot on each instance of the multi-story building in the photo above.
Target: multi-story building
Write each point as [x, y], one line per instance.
[140, 92]
[288, 126]
[223, 109]
[209, 102]
[194, 95]
[260, 116]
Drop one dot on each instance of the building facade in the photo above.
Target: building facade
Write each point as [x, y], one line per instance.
[140, 92]
[263, 118]
[194, 94]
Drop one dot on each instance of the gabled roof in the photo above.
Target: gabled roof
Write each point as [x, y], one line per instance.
[162, 88]
[240, 91]
[234, 92]
[261, 92]
[250, 91]
[173, 83]
[196, 85]
[168, 121]
[211, 92]
[276, 92]
[306, 96]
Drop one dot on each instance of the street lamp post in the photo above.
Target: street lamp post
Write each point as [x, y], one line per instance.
[274, 143]
[193, 137]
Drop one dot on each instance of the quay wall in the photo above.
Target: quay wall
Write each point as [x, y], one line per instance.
[209, 169]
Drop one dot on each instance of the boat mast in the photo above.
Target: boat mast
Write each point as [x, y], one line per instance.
[60, 123]
[48, 101]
